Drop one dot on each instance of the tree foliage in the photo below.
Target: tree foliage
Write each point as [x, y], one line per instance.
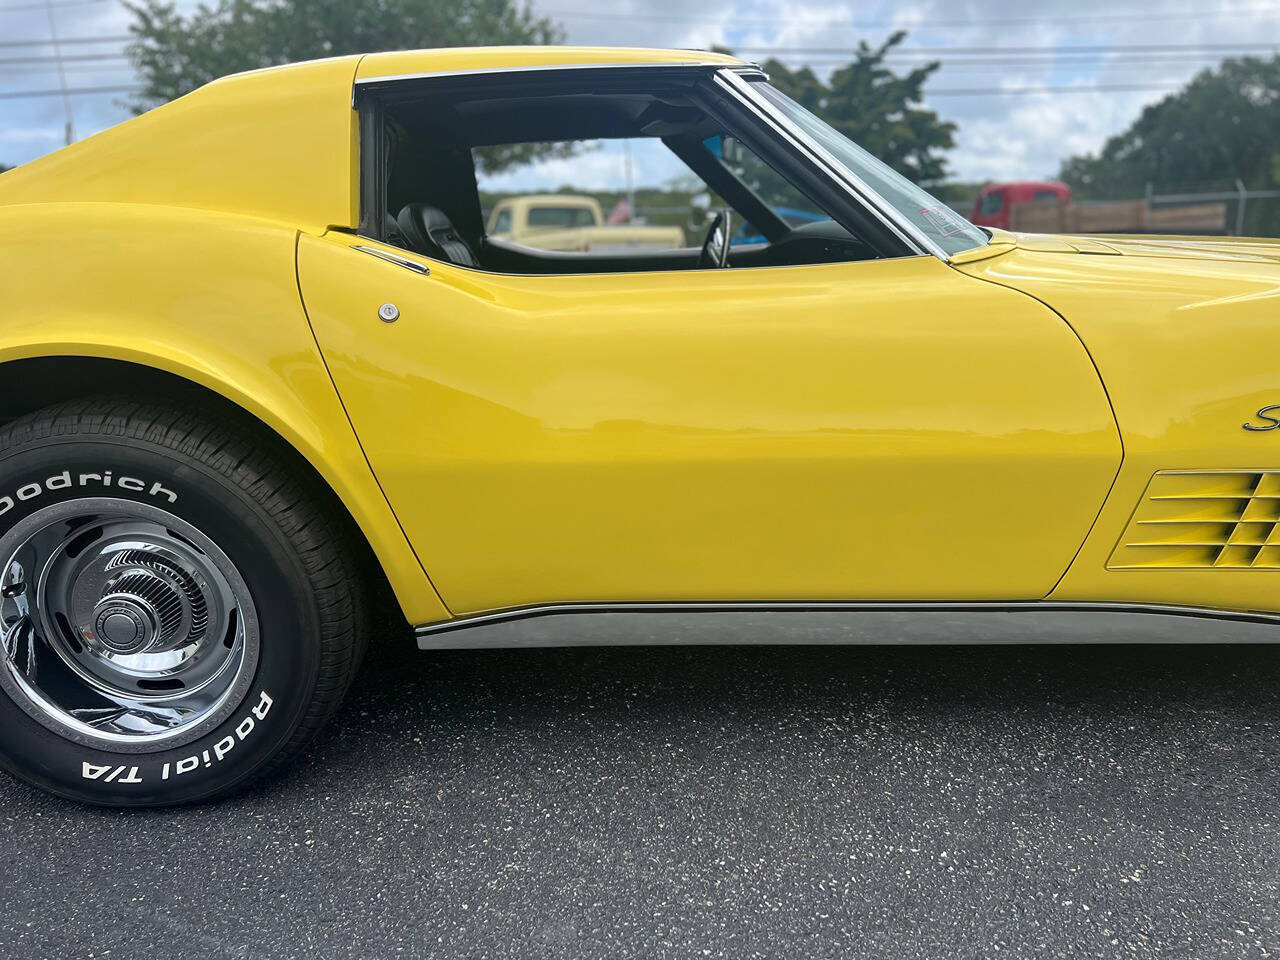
[876, 109]
[174, 54]
[1222, 127]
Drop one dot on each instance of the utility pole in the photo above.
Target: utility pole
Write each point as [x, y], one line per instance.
[62, 73]
[631, 190]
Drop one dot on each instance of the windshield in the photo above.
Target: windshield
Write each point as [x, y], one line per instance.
[935, 219]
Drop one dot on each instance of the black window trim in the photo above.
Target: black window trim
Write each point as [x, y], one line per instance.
[906, 232]
[367, 85]
[721, 179]
[763, 136]
[373, 170]
[718, 86]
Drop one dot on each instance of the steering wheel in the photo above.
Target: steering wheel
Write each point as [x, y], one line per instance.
[715, 248]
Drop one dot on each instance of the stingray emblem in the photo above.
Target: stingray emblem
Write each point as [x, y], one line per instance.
[1265, 414]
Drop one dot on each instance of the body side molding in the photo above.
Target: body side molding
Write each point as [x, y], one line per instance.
[663, 624]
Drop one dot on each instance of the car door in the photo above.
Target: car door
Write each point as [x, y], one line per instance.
[880, 430]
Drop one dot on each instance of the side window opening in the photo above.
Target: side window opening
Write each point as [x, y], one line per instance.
[573, 183]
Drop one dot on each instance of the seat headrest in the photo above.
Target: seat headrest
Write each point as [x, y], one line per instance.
[428, 231]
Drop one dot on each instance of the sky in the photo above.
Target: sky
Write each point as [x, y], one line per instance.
[1021, 133]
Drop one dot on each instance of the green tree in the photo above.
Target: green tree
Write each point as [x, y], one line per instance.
[1222, 127]
[877, 109]
[174, 54]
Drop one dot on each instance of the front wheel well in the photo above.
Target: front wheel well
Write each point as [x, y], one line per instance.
[34, 383]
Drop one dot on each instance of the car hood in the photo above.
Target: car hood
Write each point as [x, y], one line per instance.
[1221, 249]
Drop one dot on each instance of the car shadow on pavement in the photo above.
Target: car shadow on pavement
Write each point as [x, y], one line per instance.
[1149, 691]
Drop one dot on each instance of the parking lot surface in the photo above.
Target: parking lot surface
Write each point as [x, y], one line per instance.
[708, 802]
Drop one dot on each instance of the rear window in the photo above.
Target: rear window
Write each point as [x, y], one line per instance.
[561, 217]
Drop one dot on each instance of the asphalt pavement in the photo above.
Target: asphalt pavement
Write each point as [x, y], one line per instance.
[729, 802]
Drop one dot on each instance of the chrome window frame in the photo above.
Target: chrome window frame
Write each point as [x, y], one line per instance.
[733, 83]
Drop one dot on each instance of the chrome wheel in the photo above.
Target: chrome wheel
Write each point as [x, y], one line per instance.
[123, 626]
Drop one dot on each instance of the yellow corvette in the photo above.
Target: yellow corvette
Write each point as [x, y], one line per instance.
[260, 365]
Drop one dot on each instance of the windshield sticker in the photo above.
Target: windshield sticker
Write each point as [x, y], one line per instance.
[944, 221]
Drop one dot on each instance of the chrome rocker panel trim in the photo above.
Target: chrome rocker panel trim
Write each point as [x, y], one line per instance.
[668, 624]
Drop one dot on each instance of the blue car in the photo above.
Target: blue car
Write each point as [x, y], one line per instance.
[747, 233]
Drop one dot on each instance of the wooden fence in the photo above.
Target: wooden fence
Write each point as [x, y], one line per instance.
[1126, 216]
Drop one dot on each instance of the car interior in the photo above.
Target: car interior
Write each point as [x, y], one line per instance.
[433, 202]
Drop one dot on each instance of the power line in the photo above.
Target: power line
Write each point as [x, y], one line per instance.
[945, 92]
[989, 63]
[66, 40]
[1129, 72]
[791, 21]
[14, 7]
[1065, 60]
[75, 91]
[119, 69]
[1174, 57]
[1052, 48]
[898, 24]
[1020, 91]
[1155, 55]
[72, 58]
[1130, 61]
[850, 49]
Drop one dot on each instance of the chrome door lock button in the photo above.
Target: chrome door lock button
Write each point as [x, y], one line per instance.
[389, 313]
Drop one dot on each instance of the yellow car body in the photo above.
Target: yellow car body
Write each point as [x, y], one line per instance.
[1004, 428]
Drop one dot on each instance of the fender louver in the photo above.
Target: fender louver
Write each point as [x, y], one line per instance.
[1204, 520]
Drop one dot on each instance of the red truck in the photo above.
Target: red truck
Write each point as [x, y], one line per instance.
[996, 201]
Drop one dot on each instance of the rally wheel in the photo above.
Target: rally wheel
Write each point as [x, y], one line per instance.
[179, 612]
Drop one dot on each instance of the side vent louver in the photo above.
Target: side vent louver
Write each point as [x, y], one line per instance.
[1204, 520]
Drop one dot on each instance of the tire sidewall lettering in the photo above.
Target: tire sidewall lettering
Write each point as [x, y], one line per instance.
[143, 773]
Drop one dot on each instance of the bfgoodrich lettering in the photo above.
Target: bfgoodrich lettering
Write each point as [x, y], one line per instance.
[66, 479]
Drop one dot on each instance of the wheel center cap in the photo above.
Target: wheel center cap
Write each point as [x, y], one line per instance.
[119, 629]
[122, 626]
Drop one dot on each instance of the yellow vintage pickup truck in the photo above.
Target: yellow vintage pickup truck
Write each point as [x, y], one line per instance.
[559, 221]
